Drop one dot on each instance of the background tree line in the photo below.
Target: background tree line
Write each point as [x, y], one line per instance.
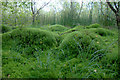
[71, 14]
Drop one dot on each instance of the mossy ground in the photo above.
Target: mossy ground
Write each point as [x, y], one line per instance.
[54, 51]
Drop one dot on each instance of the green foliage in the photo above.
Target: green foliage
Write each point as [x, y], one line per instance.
[30, 39]
[94, 26]
[76, 53]
[57, 27]
[5, 28]
[104, 32]
[80, 42]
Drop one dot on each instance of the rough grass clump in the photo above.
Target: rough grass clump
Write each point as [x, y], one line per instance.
[58, 28]
[29, 39]
[94, 26]
[74, 42]
[76, 28]
[80, 42]
[104, 32]
[5, 28]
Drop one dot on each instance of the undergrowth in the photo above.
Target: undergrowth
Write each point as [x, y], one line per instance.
[59, 52]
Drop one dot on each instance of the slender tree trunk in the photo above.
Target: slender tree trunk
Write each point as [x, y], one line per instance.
[118, 20]
[33, 20]
[15, 14]
[91, 10]
[116, 11]
[71, 13]
[80, 12]
[118, 15]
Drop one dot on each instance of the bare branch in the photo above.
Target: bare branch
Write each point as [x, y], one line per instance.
[116, 6]
[111, 7]
[42, 7]
[32, 7]
[103, 12]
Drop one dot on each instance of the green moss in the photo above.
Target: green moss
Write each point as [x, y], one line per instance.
[57, 27]
[94, 26]
[103, 32]
[81, 42]
[73, 42]
[30, 39]
[75, 54]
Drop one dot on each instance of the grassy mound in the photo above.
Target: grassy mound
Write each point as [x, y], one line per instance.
[57, 27]
[77, 28]
[5, 28]
[80, 42]
[94, 26]
[103, 32]
[29, 39]
[76, 53]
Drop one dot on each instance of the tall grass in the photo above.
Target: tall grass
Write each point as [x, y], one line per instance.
[80, 57]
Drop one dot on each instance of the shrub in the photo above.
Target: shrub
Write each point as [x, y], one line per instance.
[58, 28]
[5, 28]
[94, 26]
[29, 39]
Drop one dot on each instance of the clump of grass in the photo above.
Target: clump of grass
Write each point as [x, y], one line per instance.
[80, 42]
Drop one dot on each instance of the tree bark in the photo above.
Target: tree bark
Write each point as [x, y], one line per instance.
[116, 11]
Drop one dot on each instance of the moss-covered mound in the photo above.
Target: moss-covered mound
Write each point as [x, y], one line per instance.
[103, 32]
[58, 28]
[94, 26]
[29, 39]
[5, 28]
[76, 28]
[81, 42]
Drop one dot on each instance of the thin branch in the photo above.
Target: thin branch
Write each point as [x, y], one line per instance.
[32, 7]
[103, 12]
[42, 7]
[111, 7]
[116, 6]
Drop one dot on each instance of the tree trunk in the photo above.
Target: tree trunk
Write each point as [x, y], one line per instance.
[71, 13]
[116, 11]
[118, 16]
[118, 20]
[33, 20]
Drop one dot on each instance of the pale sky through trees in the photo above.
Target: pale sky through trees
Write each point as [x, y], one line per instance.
[58, 6]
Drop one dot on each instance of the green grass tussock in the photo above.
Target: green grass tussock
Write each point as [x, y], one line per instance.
[30, 39]
[80, 42]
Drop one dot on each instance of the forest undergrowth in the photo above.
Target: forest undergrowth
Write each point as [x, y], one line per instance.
[56, 51]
